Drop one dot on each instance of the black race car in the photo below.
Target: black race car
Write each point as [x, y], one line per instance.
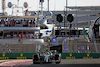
[47, 57]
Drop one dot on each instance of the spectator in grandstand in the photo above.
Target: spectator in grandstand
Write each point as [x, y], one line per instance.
[14, 35]
[29, 23]
[2, 23]
[11, 23]
[34, 22]
[21, 21]
[35, 36]
[8, 35]
[24, 22]
[17, 22]
[4, 35]
[27, 35]
[14, 22]
[40, 35]
[30, 35]
[11, 35]
[9, 50]
[19, 35]
[23, 35]
[6, 23]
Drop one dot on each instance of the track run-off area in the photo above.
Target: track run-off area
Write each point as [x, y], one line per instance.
[16, 62]
[29, 62]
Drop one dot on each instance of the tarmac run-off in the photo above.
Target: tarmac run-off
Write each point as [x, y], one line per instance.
[16, 63]
[26, 62]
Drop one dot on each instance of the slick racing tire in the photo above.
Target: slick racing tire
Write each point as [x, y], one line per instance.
[36, 58]
[56, 57]
[57, 62]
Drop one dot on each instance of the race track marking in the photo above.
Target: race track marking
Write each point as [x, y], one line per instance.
[16, 63]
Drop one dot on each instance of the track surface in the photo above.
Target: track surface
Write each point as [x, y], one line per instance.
[64, 63]
[16, 63]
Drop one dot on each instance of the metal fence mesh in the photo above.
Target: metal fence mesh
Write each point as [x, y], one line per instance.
[74, 46]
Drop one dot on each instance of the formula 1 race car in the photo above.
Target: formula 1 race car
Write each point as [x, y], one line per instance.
[47, 57]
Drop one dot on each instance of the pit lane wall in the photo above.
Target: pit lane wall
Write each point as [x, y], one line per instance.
[63, 55]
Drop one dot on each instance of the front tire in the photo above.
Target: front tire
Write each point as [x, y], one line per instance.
[33, 62]
[57, 62]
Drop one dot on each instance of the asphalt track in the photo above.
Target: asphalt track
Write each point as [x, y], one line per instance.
[64, 63]
[16, 63]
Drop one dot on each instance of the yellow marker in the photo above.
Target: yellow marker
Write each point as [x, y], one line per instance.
[21, 54]
[3, 54]
[88, 55]
[70, 54]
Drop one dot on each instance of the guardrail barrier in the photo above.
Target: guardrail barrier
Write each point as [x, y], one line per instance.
[63, 55]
